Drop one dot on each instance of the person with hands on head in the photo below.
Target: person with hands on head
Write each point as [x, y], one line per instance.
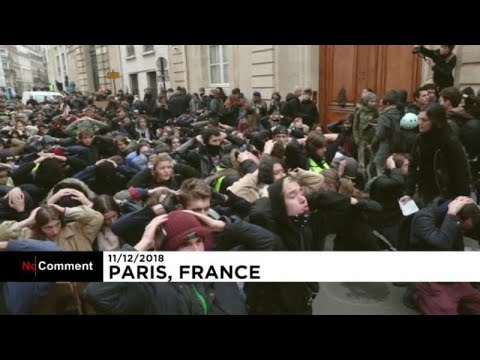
[441, 228]
[176, 231]
[16, 199]
[73, 194]
[73, 229]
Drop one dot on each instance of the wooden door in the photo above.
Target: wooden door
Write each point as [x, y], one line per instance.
[345, 70]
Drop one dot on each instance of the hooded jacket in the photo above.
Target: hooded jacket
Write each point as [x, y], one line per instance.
[76, 184]
[301, 233]
[387, 132]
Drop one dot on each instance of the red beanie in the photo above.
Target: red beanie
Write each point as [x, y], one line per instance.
[181, 224]
[59, 152]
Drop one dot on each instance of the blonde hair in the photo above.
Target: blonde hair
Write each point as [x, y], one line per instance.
[331, 178]
[287, 181]
[308, 180]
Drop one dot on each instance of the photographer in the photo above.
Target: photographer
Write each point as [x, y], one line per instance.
[442, 61]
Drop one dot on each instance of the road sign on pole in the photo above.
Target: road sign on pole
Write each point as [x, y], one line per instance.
[112, 75]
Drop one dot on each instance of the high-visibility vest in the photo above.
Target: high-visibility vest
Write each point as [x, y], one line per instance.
[219, 181]
[316, 168]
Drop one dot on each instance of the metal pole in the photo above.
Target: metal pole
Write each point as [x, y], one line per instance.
[162, 70]
[114, 85]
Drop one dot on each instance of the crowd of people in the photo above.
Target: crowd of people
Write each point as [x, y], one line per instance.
[217, 172]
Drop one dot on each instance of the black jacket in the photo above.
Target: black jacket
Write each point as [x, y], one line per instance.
[177, 105]
[469, 136]
[434, 230]
[165, 298]
[439, 167]
[310, 112]
[181, 298]
[444, 65]
[130, 226]
[302, 233]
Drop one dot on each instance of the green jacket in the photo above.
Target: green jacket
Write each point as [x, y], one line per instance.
[84, 124]
[361, 130]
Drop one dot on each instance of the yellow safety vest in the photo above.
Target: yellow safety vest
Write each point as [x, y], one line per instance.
[219, 181]
[316, 168]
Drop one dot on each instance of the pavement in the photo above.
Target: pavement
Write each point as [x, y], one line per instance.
[365, 298]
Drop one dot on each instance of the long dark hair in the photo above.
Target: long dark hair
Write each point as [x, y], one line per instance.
[44, 215]
[438, 116]
[104, 204]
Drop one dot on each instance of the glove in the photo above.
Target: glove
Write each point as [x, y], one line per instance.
[169, 203]
[369, 205]
[218, 198]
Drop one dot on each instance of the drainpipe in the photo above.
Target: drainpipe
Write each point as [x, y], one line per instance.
[186, 67]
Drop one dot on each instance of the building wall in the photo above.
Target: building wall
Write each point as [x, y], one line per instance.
[264, 68]
[79, 67]
[32, 67]
[9, 64]
[179, 67]
[468, 66]
[115, 64]
[142, 63]
[3, 81]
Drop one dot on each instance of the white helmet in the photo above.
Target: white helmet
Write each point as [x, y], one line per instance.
[409, 121]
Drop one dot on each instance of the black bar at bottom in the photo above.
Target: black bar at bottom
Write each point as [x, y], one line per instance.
[51, 266]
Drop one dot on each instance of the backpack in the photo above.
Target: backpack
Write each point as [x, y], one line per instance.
[397, 140]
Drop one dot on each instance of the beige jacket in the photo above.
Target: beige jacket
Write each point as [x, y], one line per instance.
[83, 226]
[248, 188]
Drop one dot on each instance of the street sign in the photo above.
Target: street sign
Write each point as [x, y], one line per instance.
[112, 75]
[161, 63]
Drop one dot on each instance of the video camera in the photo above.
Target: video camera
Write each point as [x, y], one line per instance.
[416, 50]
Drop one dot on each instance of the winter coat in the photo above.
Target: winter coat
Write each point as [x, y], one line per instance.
[77, 235]
[362, 131]
[439, 167]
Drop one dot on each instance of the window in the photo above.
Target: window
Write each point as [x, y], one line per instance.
[59, 71]
[134, 84]
[64, 64]
[147, 48]
[152, 82]
[130, 50]
[218, 60]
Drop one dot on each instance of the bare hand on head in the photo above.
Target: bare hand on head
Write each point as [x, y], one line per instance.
[79, 196]
[212, 224]
[243, 156]
[390, 163]
[31, 217]
[457, 204]
[59, 194]
[148, 239]
[267, 149]
[341, 167]
[199, 138]
[100, 162]
[16, 199]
